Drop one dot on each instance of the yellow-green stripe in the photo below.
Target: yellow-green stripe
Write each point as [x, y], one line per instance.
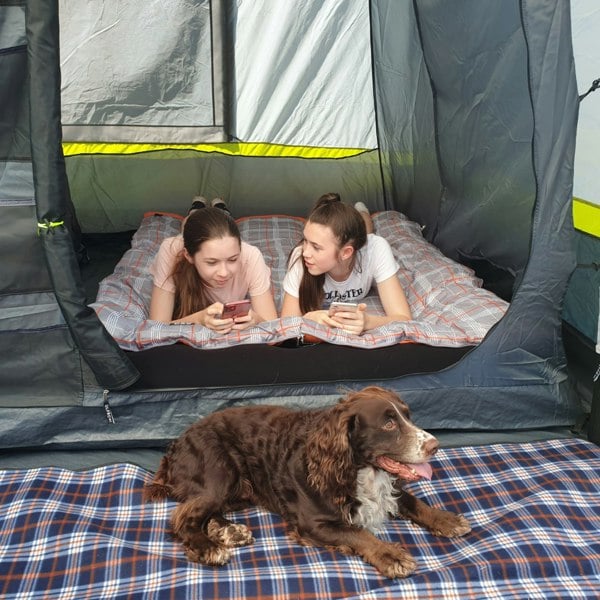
[233, 149]
[586, 216]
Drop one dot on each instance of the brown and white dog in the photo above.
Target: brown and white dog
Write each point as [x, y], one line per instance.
[333, 474]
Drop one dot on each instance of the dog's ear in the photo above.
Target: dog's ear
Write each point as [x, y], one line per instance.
[329, 454]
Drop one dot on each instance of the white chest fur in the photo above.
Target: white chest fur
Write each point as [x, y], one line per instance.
[375, 490]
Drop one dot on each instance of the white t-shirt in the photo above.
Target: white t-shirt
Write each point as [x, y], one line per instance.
[252, 279]
[375, 262]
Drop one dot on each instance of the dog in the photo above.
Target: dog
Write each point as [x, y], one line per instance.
[334, 475]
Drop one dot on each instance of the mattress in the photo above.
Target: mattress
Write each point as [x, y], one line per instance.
[452, 314]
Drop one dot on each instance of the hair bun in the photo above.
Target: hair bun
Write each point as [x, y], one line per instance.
[329, 198]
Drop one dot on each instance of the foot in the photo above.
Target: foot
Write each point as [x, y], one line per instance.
[198, 202]
[362, 208]
[447, 524]
[392, 560]
[211, 554]
[229, 535]
[220, 204]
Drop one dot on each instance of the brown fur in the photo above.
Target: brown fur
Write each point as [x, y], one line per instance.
[302, 465]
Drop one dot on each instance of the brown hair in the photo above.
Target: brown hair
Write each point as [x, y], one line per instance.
[348, 228]
[201, 226]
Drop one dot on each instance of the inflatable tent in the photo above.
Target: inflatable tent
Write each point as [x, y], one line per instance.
[461, 117]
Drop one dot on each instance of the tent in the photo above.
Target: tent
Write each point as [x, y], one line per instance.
[582, 303]
[461, 116]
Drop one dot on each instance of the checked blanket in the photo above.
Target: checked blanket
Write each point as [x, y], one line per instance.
[534, 508]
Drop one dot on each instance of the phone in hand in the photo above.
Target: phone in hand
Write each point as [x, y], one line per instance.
[239, 308]
[342, 307]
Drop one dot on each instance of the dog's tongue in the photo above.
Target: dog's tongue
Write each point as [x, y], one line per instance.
[405, 470]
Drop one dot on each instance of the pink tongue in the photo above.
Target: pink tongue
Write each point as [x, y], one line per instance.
[424, 470]
[391, 466]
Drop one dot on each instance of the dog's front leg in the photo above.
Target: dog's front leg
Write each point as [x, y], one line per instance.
[439, 522]
[392, 560]
[190, 521]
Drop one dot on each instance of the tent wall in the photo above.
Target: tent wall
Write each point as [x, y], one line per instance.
[405, 115]
[48, 334]
[127, 77]
[465, 121]
[505, 136]
[113, 192]
[484, 127]
[294, 112]
[582, 304]
[35, 344]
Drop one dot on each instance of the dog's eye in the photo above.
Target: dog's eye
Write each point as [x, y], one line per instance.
[390, 425]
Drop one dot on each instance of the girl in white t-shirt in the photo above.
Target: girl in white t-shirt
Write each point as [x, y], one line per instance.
[197, 272]
[338, 261]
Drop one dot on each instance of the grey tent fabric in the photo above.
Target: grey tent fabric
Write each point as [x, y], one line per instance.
[467, 126]
[513, 184]
[172, 97]
[98, 349]
[43, 357]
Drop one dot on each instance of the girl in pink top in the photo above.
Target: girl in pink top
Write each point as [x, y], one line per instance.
[197, 272]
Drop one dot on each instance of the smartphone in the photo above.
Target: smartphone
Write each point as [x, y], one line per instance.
[342, 307]
[239, 308]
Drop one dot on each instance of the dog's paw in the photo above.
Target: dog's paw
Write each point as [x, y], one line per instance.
[394, 562]
[450, 525]
[212, 555]
[230, 535]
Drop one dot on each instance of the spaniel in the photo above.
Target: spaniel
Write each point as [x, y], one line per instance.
[333, 474]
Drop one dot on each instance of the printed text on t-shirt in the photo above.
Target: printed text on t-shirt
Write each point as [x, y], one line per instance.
[335, 296]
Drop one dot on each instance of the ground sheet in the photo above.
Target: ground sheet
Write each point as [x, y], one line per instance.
[534, 508]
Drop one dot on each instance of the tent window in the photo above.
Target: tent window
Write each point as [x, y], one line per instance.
[142, 72]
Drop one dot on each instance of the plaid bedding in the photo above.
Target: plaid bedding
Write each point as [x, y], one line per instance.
[534, 508]
[449, 306]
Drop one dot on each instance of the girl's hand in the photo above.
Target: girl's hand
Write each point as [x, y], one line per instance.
[210, 317]
[350, 321]
[241, 323]
[319, 316]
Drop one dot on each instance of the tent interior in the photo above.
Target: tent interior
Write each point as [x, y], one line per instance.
[454, 122]
[475, 146]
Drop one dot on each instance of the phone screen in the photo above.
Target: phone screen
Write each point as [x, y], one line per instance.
[239, 308]
[342, 307]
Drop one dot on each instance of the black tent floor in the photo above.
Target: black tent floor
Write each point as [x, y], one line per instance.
[148, 458]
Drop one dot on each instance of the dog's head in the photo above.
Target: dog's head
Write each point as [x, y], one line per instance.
[382, 434]
[368, 427]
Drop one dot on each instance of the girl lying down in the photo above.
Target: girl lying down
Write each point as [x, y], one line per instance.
[335, 266]
[195, 274]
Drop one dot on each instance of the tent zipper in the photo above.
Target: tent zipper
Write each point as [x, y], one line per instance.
[108, 410]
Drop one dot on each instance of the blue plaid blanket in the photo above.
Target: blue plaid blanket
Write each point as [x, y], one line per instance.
[534, 507]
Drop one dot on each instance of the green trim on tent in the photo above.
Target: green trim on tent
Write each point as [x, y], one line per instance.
[231, 148]
[586, 216]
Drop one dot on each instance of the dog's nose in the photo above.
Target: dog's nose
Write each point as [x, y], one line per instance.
[430, 447]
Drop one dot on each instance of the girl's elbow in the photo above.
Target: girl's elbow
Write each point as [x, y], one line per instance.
[403, 316]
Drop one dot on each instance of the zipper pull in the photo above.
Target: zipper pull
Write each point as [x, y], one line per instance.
[108, 410]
